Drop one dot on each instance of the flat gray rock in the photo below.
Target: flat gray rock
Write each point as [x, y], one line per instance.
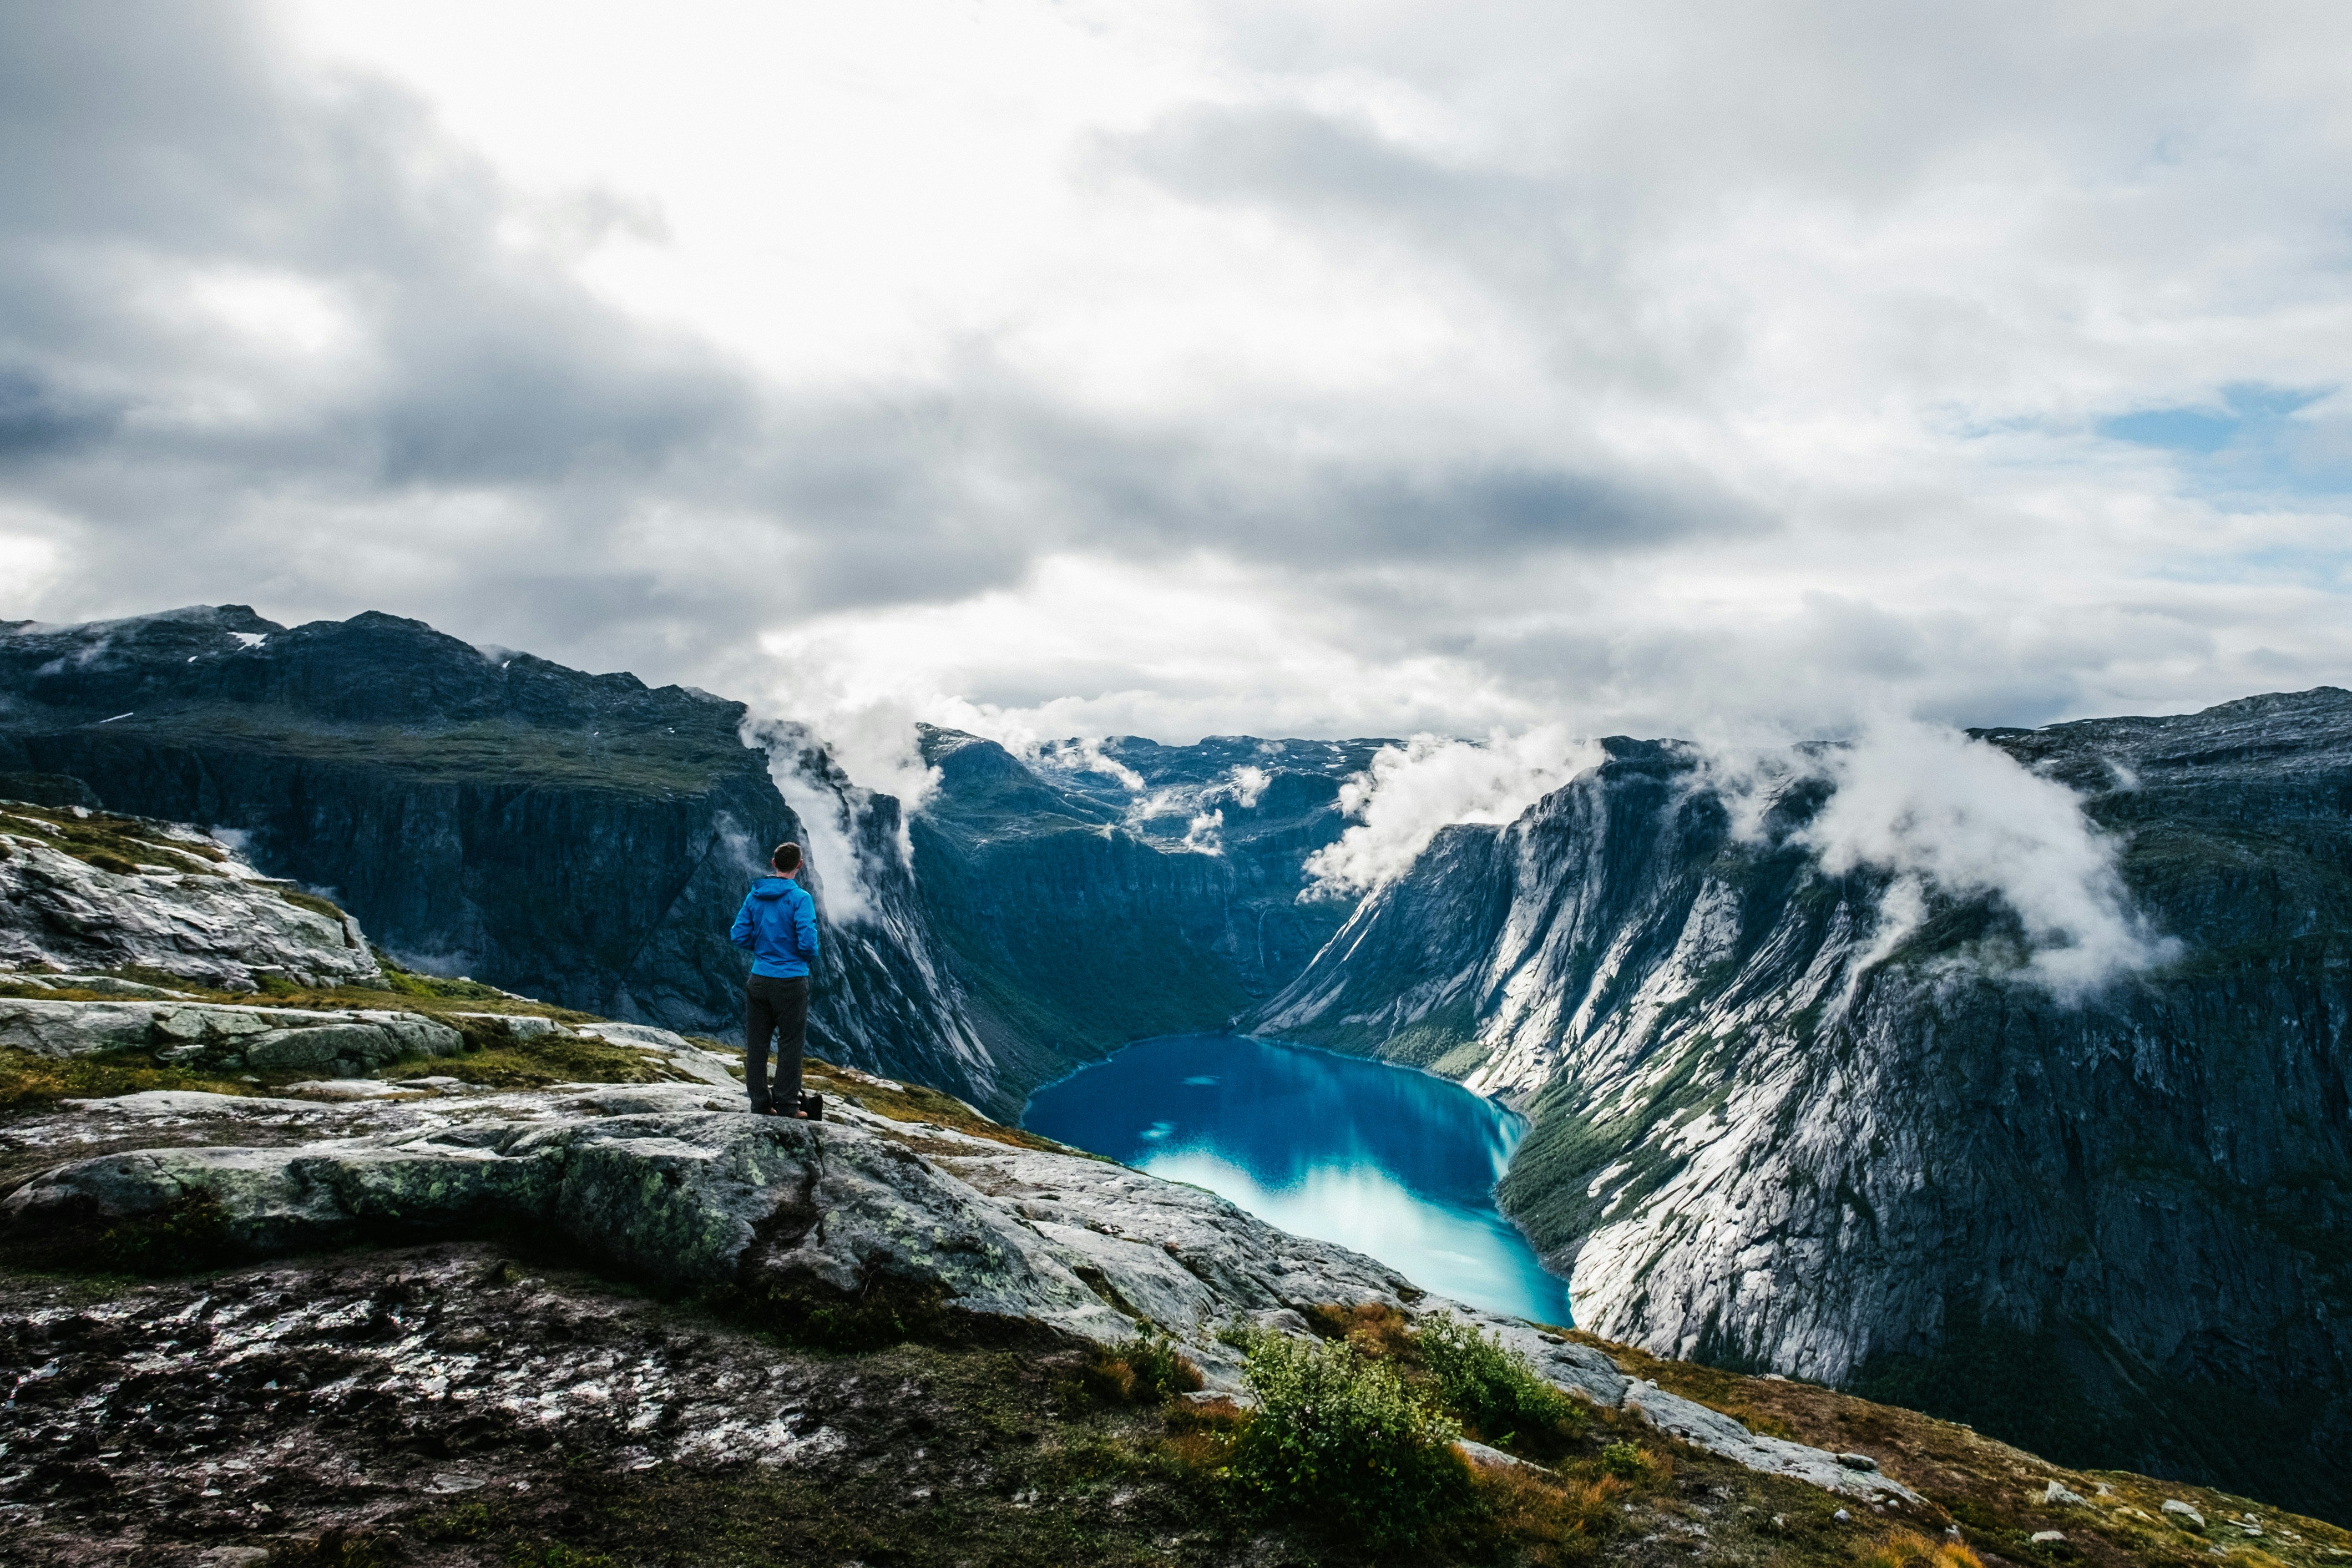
[225, 1037]
[1718, 1434]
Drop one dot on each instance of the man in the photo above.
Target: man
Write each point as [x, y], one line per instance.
[777, 924]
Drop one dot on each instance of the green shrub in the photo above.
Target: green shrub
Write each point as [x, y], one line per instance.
[1343, 1436]
[1146, 1370]
[1494, 1388]
[1624, 1461]
[1162, 1366]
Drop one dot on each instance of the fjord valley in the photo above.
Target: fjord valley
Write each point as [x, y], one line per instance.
[1790, 1113]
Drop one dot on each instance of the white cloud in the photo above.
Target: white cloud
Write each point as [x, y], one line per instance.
[1412, 790]
[836, 820]
[1205, 834]
[1941, 810]
[1075, 754]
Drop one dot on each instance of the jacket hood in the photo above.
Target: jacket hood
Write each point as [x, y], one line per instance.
[771, 886]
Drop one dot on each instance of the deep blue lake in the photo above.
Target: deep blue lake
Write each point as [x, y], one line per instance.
[1394, 1163]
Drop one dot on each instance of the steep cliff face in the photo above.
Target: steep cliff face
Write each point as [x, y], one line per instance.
[1772, 1129]
[578, 837]
[1098, 897]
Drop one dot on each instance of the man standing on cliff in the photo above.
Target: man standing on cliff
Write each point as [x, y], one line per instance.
[777, 924]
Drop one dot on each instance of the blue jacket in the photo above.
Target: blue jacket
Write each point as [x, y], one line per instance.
[777, 925]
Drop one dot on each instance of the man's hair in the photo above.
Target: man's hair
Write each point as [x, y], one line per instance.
[787, 857]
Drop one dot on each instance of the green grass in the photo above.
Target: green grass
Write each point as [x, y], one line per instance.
[497, 1061]
[313, 904]
[1495, 1390]
[28, 1082]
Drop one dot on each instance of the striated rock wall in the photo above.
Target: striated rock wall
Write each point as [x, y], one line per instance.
[1760, 1139]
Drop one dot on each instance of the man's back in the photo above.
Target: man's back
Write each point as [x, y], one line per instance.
[777, 924]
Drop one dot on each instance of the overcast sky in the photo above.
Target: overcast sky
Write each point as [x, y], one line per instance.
[1177, 368]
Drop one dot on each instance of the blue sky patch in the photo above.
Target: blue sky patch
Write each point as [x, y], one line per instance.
[2249, 441]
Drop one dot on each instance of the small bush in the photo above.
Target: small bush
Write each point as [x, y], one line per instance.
[1160, 1364]
[1146, 1370]
[1494, 1388]
[1343, 1436]
[1624, 1461]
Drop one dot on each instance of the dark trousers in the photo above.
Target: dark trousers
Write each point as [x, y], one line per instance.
[772, 1006]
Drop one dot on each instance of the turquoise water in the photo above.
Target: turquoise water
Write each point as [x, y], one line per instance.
[1394, 1163]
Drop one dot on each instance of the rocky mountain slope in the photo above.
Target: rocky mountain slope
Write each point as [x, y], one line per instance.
[1767, 1138]
[577, 837]
[1772, 1129]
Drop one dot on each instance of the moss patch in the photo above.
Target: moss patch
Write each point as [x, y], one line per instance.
[499, 1061]
[28, 1081]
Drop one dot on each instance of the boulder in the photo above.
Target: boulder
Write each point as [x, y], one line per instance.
[202, 1034]
[1719, 1434]
[225, 931]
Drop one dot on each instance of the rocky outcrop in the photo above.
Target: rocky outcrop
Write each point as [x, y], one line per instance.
[942, 1232]
[348, 1043]
[189, 907]
[2101, 1224]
